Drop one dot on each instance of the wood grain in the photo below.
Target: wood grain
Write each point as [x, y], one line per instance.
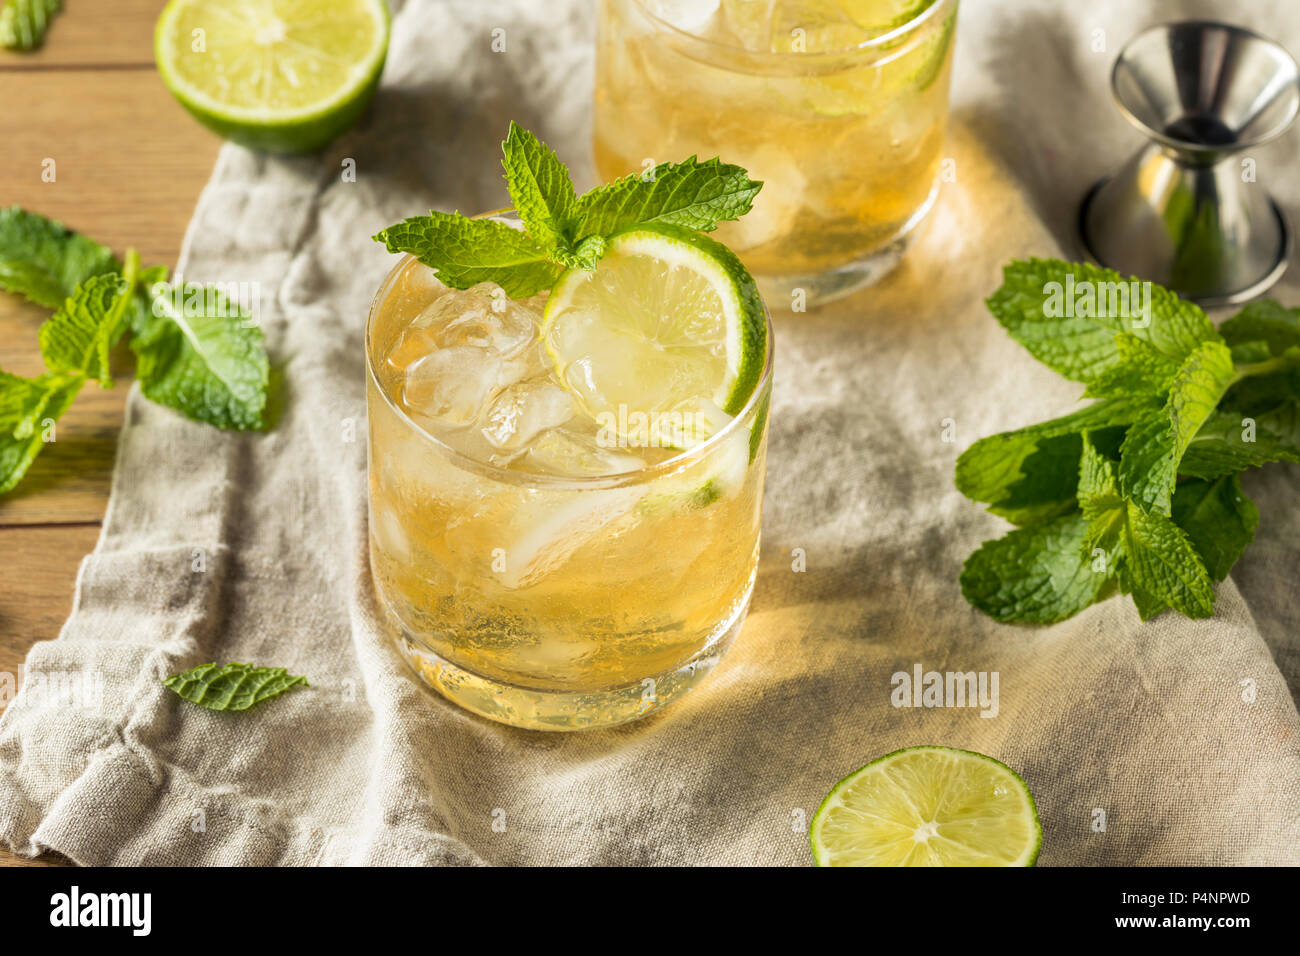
[40, 573]
[100, 33]
[128, 166]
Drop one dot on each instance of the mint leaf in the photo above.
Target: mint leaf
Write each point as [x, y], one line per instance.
[1045, 306]
[44, 260]
[1221, 447]
[1140, 369]
[233, 687]
[23, 22]
[1039, 575]
[1100, 501]
[1246, 353]
[540, 188]
[211, 367]
[1147, 604]
[1153, 557]
[1265, 321]
[690, 193]
[1218, 519]
[465, 252]
[586, 255]
[1030, 474]
[25, 404]
[79, 337]
[1154, 447]
[1162, 563]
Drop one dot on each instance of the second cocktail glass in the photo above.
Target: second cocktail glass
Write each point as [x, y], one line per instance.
[838, 106]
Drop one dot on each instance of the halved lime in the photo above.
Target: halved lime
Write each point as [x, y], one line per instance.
[286, 76]
[668, 324]
[928, 806]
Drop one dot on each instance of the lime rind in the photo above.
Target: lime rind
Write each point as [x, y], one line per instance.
[280, 130]
[1028, 855]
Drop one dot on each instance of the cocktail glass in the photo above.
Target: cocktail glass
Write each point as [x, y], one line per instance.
[579, 598]
[838, 106]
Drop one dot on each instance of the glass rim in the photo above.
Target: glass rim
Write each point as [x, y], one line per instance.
[669, 466]
[880, 42]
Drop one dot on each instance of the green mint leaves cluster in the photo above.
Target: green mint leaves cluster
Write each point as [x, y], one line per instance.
[23, 22]
[232, 687]
[1139, 491]
[563, 230]
[206, 362]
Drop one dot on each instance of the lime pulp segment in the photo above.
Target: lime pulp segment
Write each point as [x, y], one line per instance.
[668, 326]
[928, 806]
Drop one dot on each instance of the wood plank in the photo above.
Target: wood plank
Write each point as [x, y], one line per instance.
[94, 32]
[129, 163]
[122, 182]
[129, 166]
[39, 570]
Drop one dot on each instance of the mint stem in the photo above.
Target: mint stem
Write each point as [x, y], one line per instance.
[1279, 363]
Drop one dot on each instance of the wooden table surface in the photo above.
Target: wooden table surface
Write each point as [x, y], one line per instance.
[128, 167]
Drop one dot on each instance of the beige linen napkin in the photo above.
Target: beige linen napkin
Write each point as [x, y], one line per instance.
[1173, 742]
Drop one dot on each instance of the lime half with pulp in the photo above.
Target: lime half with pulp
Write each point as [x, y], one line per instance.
[285, 76]
[928, 806]
[664, 334]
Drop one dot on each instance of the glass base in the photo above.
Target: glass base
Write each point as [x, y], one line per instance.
[798, 293]
[568, 710]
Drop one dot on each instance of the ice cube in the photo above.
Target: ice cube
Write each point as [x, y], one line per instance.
[390, 534]
[779, 202]
[411, 294]
[749, 22]
[482, 316]
[693, 16]
[545, 532]
[576, 453]
[522, 412]
[452, 386]
[414, 344]
[531, 363]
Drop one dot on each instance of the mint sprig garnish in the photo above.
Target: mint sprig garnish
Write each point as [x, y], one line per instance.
[23, 22]
[205, 361]
[561, 229]
[540, 189]
[690, 193]
[468, 251]
[1140, 491]
[232, 687]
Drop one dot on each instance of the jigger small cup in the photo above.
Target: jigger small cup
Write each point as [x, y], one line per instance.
[1186, 211]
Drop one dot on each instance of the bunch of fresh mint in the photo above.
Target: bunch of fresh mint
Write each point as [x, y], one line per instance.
[204, 360]
[23, 22]
[562, 229]
[1140, 490]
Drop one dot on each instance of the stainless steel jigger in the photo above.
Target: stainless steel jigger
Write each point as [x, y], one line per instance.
[1185, 211]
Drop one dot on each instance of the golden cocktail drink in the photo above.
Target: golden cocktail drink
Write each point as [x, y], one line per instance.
[539, 566]
[838, 106]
